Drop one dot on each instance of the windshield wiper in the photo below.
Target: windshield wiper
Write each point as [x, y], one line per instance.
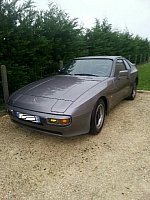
[86, 75]
[63, 73]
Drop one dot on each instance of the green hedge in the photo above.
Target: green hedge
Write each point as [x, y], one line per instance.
[33, 42]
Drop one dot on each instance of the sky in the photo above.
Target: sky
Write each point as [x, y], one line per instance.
[131, 15]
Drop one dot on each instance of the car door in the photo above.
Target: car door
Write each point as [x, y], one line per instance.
[122, 83]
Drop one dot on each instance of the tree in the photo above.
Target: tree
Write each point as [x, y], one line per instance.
[102, 40]
[33, 42]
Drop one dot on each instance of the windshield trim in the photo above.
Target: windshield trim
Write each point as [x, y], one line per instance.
[94, 59]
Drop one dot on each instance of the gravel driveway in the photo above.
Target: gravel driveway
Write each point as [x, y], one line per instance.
[114, 165]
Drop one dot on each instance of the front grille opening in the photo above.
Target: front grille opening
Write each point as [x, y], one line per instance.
[37, 128]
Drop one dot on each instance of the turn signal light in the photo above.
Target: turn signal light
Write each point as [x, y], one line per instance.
[65, 121]
[61, 122]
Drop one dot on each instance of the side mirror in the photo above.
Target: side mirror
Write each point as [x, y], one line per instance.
[123, 73]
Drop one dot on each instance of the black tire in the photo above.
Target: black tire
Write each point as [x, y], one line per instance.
[133, 92]
[98, 117]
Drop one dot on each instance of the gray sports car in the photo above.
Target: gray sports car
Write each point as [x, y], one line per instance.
[76, 100]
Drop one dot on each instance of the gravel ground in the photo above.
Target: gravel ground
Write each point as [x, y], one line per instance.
[114, 165]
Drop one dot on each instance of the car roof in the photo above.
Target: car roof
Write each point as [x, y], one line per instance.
[98, 57]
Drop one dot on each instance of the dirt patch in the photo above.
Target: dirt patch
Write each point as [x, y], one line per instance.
[115, 165]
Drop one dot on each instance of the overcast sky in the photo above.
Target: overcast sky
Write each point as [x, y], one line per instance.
[133, 15]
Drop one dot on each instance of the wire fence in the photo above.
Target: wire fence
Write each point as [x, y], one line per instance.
[137, 59]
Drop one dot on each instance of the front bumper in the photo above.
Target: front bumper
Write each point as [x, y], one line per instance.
[80, 124]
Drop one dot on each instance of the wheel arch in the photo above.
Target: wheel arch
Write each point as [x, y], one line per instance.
[106, 112]
[137, 80]
[106, 103]
[104, 98]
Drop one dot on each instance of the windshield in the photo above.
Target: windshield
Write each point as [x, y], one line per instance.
[89, 67]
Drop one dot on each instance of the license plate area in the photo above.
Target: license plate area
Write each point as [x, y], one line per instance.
[29, 118]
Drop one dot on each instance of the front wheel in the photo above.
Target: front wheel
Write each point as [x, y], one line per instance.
[98, 117]
[133, 92]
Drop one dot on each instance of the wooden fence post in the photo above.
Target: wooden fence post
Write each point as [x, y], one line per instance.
[141, 58]
[61, 64]
[4, 83]
[129, 57]
[135, 59]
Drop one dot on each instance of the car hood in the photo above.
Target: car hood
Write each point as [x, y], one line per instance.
[46, 94]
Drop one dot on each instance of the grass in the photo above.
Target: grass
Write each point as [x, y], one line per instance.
[144, 77]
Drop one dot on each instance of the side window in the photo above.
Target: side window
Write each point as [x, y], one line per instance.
[120, 66]
[127, 65]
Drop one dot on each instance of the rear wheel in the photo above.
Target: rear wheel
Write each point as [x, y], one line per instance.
[133, 92]
[98, 117]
